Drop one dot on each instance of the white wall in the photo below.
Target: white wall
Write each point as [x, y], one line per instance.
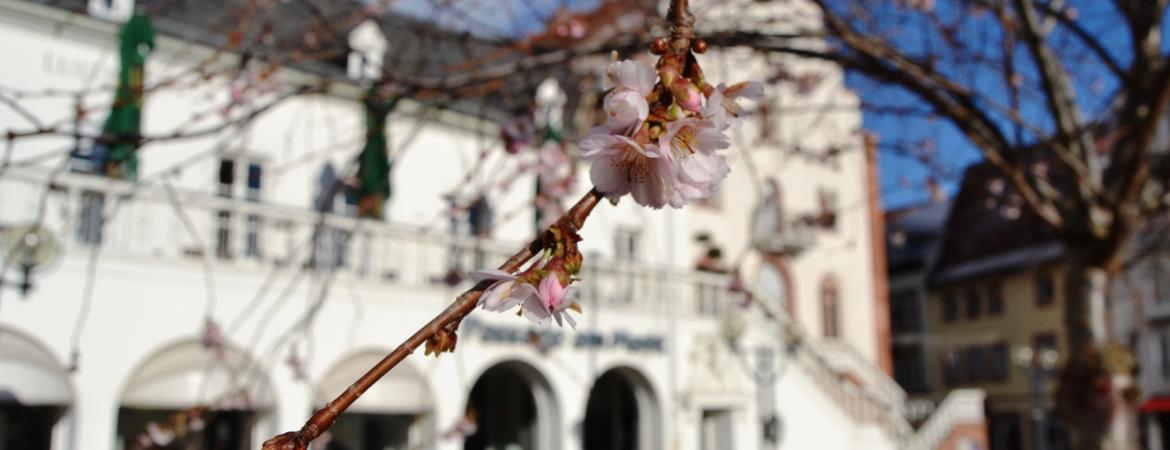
[148, 296]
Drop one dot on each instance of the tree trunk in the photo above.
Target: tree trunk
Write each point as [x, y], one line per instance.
[1095, 392]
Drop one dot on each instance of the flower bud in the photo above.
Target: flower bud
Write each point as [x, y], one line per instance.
[699, 46]
[659, 46]
[687, 95]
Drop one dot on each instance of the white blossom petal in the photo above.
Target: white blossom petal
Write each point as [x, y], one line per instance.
[607, 179]
[629, 74]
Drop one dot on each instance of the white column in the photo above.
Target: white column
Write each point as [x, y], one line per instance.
[95, 409]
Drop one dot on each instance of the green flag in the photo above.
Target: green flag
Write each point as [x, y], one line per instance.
[123, 127]
[548, 134]
[373, 164]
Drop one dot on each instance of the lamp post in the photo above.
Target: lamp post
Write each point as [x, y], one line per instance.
[1039, 365]
[768, 368]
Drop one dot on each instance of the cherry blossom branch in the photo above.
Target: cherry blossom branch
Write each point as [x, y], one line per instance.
[438, 334]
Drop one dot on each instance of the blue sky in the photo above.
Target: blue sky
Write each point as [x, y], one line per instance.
[509, 18]
[903, 175]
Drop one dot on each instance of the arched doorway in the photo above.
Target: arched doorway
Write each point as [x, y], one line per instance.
[393, 414]
[35, 395]
[622, 413]
[514, 410]
[185, 375]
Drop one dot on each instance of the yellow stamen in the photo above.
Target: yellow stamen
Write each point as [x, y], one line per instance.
[634, 164]
[683, 142]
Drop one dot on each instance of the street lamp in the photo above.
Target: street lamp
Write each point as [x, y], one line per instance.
[30, 247]
[767, 369]
[1039, 366]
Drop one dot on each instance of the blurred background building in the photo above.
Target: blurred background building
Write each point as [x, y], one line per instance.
[238, 259]
[974, 305]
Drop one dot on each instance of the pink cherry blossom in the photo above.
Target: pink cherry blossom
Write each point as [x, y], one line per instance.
[692, 144]
[625, 106]
[625, 109]
[542, 305]
[751, 90]
[629, 74]
[623, 166]
[673, 156]
[552, 301]
[506, 293]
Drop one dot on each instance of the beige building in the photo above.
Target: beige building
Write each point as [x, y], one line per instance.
[992, 314]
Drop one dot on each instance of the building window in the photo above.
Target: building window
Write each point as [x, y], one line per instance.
[950, 307]
[999, 362]
[223, 218]
[1045, 290]
[995, 300]
[909, 367]
[1044, 341]
[826, 218]
[627, 243]
[829, 307]
[952, 364]
[972, 304]
[238, 178]
[1164, 352]
[89, 225]
[223, 234]
[227, 177]
[905, 315]
[716, 430]
[976, 364]
[252, 194]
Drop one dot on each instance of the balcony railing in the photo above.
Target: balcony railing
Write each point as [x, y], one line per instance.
[845, 359]
[795, 237]
[151, 222]
[960, 407]
[856, 384]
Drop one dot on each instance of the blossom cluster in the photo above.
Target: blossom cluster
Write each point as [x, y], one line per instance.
[660, 143]
[541, 302]
[543, 292]
[662, 135]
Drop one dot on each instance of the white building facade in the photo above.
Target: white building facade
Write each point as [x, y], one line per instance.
[112, 334]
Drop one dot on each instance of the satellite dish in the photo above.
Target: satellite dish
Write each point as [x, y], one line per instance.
[29, 246]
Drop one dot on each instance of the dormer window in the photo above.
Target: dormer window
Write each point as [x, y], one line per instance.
[112, 10]
[550, 105]
[367, 46]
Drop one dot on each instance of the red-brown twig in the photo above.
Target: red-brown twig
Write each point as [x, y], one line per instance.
[438, 333]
